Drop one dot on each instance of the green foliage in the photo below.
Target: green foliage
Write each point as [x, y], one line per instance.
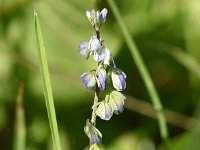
[159, 28]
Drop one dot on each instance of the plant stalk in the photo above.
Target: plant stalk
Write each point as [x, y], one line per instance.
[144, 74]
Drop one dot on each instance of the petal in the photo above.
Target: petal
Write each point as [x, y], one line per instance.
[83, 47]
[88, 14]
[104, 110]
[107, 57]
[104, 14]
[118, 94]
[123, 81]
[117, 104]
[95, 138]
[99, 56]
[118, 79]
[94, 44]
[101, 78]
[116, 100]
[93, 133]
[97, 19]
[88, 80]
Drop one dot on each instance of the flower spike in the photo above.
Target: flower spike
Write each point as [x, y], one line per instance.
[106, 101]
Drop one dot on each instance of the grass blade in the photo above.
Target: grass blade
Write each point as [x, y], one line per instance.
[20, 127]
[144, 74]
[46, 85]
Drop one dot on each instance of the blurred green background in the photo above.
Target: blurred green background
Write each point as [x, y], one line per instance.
[167, 33]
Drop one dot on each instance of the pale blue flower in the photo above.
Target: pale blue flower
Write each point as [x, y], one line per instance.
[94, 44]
[84, 51]
[101, 78]
[96, 49]
[89, 80]
[116, 100]
[104, 110]
[103, 15]
[118, 79]
[99, 55]
[93, 133]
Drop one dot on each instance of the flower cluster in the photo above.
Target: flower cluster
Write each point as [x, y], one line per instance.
[100, 79]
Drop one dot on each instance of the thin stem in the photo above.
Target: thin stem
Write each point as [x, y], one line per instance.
[98, 34]
[144, 73]
[96, 95]
[94, 107]
[20, 126]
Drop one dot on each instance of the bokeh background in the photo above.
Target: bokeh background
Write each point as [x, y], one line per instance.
[167, 34]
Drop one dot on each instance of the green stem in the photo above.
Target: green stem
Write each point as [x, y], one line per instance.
[47, 85]
[20, 126]
[144, 74]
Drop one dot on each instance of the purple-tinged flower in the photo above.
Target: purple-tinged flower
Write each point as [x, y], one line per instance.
[107, 57]
[101, 78]
[84, 51]
[116, 100]
[96, 49]
[94, 44]
[104, 110]
[99, 55]
[97, 18]
[103, 15]
[93, 133]
[118, 79]
[88, 80]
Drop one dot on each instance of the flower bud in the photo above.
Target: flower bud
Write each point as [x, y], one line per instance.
[118, 79]
[97, 18]
[89, 80]
[104, 110]
[103, 15]
[93, 133]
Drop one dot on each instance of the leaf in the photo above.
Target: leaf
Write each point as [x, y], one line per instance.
[46, 84]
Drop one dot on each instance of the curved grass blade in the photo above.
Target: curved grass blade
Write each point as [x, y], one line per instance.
[46, 85]
[144, 74]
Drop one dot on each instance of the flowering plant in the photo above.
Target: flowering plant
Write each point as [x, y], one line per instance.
[99, 79]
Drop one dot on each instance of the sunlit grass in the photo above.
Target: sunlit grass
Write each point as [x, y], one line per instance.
[46, 85]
